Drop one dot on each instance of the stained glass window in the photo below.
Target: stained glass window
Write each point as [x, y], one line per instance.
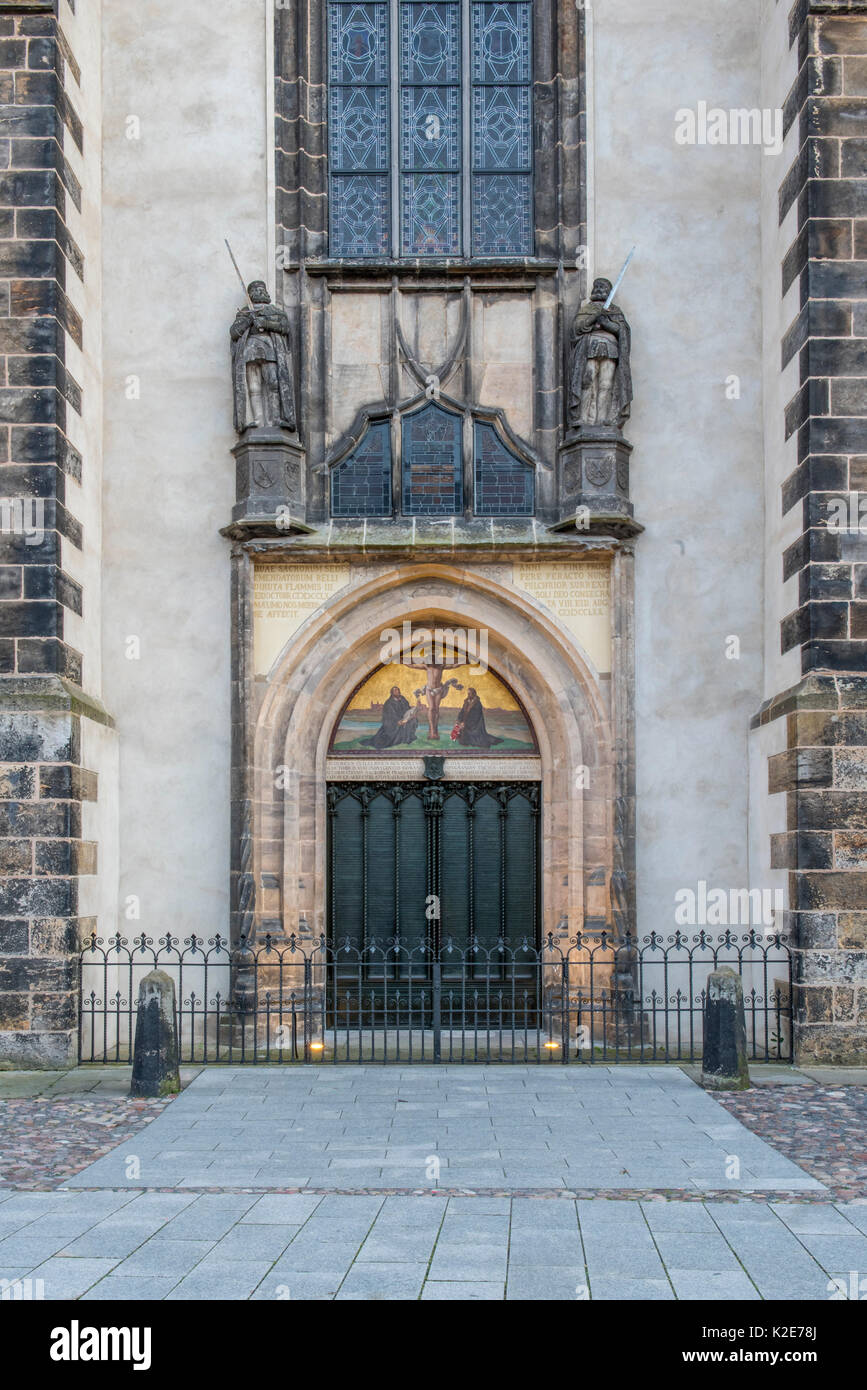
[361, 484]
[359, 128]
[431, 463]
[430, 135]
[502, 192]
[430, 128]
[432, 469]
[503, 484]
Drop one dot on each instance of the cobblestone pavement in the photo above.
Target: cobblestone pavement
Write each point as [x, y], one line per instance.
[555, 1185]
[53, 1123]
[821, 1128]
[44, 1141]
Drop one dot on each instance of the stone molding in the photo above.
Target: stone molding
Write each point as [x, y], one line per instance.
[279, 824]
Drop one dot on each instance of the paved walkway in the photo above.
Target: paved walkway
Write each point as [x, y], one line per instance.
[188, 1208]
[180, 1245]
[449, 1127]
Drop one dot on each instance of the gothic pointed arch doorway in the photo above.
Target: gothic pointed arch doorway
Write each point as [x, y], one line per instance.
[433, 878]
[314, 726]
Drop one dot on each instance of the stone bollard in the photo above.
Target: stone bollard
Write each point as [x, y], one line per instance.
[724, 1054]
[155, 1056]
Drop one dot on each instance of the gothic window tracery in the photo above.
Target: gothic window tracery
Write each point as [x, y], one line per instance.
[431, 470]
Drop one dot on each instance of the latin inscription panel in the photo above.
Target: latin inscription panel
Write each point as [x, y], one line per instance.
[283, 597]
[579, 594]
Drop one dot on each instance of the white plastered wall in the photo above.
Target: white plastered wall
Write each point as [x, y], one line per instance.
[693, 296]
[188, 120]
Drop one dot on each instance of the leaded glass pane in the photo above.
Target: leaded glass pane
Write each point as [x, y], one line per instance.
[501, 128]
[502, 215]
[359, 215]
[430, 43]
[502, 203]
[503, 484]
[358, 43]
[361, 485]
[431, 463]
[501, 43]
[430, 116]
[428, 139]
[359, 128]
[430, 127]
[430, 215]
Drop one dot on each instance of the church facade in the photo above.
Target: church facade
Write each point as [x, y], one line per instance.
[407, 562]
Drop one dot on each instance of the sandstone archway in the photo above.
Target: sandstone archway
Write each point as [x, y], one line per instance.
[564, 697]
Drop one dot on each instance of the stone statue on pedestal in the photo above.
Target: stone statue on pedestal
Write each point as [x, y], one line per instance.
[271, 474]
[600, 386]
[262, 364]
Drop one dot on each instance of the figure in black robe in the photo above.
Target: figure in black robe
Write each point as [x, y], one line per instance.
[471, 731]
[399, 723]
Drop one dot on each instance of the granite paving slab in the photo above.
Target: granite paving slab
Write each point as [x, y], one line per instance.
[532, 1200]
[511, 1117]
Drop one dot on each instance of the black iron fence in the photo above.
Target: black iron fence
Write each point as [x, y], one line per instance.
[288, 1000]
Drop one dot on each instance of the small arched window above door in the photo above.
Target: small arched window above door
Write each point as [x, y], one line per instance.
[430, 469]
[432, 463]
[430, 128]
[361, 484]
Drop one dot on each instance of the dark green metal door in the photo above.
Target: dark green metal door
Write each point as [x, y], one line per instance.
[431, 884]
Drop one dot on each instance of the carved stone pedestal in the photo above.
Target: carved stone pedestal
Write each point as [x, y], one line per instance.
[270, 480]
[594, 472]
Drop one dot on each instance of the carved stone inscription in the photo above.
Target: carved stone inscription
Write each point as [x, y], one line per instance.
[579, 594]
[283, 597]
[412, 769]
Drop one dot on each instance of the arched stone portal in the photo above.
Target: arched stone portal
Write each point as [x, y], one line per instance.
[282, 821]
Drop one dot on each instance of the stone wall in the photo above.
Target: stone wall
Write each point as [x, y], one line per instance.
[693, 297]
[823, 771]
[43, 784]
[39, 255]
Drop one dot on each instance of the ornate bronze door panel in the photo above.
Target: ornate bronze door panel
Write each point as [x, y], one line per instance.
[431, 885]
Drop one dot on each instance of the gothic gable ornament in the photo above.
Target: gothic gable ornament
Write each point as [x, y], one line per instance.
[433, 430]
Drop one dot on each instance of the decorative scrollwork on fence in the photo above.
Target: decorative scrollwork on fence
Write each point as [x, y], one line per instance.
[597, 997]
